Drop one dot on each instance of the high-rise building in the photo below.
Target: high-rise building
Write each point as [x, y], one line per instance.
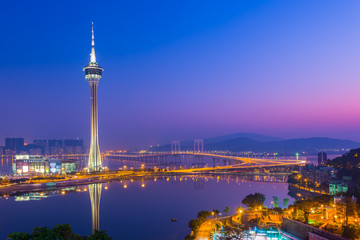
[43, 144]
[74, 146]
[14, 145]
[322, 158]
[56, 147]
[93, 74]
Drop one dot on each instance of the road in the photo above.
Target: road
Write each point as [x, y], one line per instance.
[206, 227]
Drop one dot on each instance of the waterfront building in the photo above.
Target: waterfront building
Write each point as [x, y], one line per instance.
[61, 147]
[317, 174]
[261, 234]
[43, 144]
[74, 146]
[56, 147]
[93, 73]
[14, 145]
[338, 186]
[322, 158]
[37, 164]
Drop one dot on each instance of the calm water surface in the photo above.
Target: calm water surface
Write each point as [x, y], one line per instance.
[142, 210]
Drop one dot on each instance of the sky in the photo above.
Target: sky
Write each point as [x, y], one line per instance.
[180, 69]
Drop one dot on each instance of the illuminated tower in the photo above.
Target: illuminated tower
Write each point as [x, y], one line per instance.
[95, 196]
[93, 74]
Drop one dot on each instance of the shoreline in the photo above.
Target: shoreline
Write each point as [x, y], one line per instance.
[109, 177]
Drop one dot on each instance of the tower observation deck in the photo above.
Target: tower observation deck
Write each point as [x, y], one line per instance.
[93, 74]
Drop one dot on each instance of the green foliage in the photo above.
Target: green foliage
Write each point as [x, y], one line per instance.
[19, 236]
[227, 210]
[204, 214]
[278, 210]
[99, 235]
[254, 200]
[60, 232]
[238, 209]
[323, 199]
[349, 207]
[216, 212]
[351, 232]
[305, 207]
[194, 224]
[188, 237]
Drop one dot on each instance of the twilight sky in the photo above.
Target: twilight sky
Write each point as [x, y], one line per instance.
[181, 69]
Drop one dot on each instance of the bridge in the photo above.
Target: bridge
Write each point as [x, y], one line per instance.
[230, 162]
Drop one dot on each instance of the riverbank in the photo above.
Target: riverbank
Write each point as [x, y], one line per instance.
[34, 184]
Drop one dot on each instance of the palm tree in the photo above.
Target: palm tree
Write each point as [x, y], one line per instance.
[227, 210]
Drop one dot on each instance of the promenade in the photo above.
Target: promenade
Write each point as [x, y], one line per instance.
[206, 228]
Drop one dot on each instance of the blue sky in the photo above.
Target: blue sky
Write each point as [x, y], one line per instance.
[181, 69]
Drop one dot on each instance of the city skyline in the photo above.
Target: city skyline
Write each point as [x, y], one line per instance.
[200, 74]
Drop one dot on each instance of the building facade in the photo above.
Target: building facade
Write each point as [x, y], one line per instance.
[40, 165]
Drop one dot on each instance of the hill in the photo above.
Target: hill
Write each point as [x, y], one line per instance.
[243, 142]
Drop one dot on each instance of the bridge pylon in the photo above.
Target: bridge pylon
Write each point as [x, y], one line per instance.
[198, 146]
[175, 146]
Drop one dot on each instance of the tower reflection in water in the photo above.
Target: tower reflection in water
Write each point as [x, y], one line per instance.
[95, 196]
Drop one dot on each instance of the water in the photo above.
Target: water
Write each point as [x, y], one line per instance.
[138, 212]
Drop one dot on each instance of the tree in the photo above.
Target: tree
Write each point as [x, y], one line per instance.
[194, 224]
[204, 214]
[60, 232]
[215, 212]
[254, 200]
[305, 206]
[350, 232]
[278, 210]
[99, 235]
[239, 210]
[227, 210]
[19, 236]
[349, 207]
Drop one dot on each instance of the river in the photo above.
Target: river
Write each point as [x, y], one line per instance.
[140, 209]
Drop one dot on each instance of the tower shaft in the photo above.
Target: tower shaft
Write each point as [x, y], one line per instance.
[94, 163]
[93, 74]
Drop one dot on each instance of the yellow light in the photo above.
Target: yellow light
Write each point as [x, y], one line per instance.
[143, 185]
[63, 192]
[106, 187]
[125, 186]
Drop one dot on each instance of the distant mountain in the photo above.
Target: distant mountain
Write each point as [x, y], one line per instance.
[189, 145]
[308, 145]
[252, 136]
[256, 143]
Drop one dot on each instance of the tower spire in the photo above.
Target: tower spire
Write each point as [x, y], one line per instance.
[92, 55]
